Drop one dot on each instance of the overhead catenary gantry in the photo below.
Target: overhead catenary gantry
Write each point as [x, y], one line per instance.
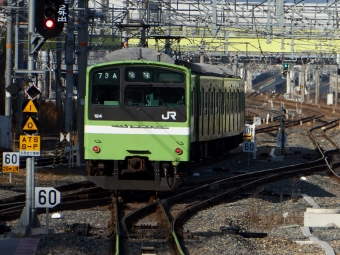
[267, 26]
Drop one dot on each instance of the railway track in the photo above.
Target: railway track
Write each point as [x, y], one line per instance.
[131, 225]
[169, 215]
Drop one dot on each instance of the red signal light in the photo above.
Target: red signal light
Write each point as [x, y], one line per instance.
[96, 149]
[49, 23]
[178, 151]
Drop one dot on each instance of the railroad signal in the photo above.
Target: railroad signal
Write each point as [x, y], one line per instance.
[13, 89]
[30, 122]
[285, 66]
[50, 16]
[33, 92]
[30, 106]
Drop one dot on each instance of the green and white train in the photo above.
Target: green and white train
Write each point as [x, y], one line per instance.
[147, 116]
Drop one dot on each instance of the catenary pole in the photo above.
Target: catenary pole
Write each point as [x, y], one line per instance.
[82, 65]
[9, 58]
[69, 61]
[19, 58]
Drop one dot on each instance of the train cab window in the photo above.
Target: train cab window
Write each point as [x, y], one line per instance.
[134, 96]
[154, 96]
[105, 87]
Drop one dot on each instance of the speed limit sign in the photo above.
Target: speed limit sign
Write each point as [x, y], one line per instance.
[249, 147]
[46, 197]
[10, 162]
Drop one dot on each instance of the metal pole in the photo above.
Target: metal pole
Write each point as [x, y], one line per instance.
[9, 59]
[28, 190]
[82, 65]
[282, 132]
[336, 89]
[69, 61]
[47, 219]
[125, 22]
[31, 67]
[57, 74]
[28, 216]
[33, 210]
[143, 21]
[19, 60]
[168, 23]
[317, 86]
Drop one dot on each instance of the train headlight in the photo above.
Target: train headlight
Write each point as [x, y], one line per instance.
[178, 151]
[131, 75]
[96, 149]
[146, 75]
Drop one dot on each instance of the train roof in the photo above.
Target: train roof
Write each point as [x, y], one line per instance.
[138, 53]
[208, 69]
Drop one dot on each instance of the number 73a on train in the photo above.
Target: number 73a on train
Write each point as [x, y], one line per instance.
[249, 146]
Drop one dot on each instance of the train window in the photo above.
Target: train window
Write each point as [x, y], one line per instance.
[154, 96]
[217, 102]
[105, 87]
[232, 102]
[170, 77]
[134, 96]
[206, 98]
[211, 103]
[222, 103]
[201, 102]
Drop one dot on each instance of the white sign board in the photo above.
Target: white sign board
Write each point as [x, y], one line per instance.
[249, 146]
[46, 197]
[10, 162]
[257, 121]
[248, 130]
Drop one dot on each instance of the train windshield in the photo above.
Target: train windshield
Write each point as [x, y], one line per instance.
[106, 87]
[154, 96]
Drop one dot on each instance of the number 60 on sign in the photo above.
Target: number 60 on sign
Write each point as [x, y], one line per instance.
[10, 162]
[249, 147]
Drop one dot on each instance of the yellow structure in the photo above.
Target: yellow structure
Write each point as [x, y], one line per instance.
[250, 45]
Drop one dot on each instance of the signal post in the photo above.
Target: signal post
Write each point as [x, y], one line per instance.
[47, 18]
[30, 146]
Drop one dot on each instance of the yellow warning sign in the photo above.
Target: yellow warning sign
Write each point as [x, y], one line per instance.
[29, 145]
[30, 107]
[10, 169]
[31, 124]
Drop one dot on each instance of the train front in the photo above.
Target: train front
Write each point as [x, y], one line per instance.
[137, 124]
